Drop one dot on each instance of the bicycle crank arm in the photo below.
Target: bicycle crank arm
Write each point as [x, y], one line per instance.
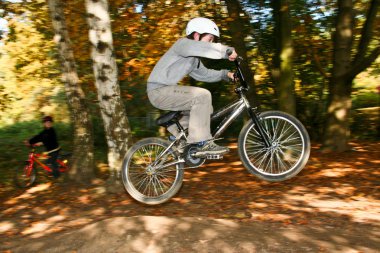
[181, 160]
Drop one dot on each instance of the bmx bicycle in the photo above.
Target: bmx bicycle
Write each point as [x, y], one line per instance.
[272, 145]
[26, 175]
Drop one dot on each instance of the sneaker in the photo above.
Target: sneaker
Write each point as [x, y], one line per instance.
[210, 148]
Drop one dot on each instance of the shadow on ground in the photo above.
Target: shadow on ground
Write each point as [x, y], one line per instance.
[331, 206]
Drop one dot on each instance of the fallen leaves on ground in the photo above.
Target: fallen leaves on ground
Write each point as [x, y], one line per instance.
[332, 189]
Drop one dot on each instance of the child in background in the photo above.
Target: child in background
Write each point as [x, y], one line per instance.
[48, 138]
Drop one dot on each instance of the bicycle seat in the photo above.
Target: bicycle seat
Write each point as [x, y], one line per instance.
[169, 118]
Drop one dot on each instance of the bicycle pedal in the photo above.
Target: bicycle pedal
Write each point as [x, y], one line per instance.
[214, 157]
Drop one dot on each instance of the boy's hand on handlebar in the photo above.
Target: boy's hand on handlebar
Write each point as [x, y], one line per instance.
[231, 75]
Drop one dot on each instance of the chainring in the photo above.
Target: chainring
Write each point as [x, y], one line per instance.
[190, 160]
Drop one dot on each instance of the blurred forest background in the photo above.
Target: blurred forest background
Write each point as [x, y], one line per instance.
[317, 59]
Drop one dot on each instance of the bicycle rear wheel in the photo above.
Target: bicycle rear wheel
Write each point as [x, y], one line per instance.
[149, 175]
[25, 176]
[289, 150]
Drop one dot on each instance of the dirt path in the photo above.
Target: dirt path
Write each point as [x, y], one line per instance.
[331, 206]
[163, 234]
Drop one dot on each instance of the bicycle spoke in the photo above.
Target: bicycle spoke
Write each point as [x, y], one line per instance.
[286, 148]
[163, 185]
[152, 172]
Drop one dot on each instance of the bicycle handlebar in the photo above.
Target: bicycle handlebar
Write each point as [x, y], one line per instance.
[238, 73]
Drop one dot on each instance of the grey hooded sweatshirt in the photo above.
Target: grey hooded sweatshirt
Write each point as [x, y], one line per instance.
[183, 58]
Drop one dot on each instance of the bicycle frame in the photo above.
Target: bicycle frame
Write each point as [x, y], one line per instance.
[35, 158]
[236, 108]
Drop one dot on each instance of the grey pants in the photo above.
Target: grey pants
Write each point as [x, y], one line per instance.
[197, 101]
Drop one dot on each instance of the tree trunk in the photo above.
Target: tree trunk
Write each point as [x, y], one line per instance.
[337, 128]
[339, 104]
[82, 161]
[283, 62]
[116, 125]
[337, 131]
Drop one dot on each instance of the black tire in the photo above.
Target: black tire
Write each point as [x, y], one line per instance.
[25, 176]
[288, 154]
[151, 184]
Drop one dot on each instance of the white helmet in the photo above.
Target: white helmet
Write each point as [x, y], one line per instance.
[202, 25]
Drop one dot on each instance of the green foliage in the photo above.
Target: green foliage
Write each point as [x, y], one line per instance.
[4, 98]
[29, 70]
[365, 123]
[364, 100]
[13, 136]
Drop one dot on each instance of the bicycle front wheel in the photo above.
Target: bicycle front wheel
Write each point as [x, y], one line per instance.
[25, 176]
[150, 172]
[289, 150]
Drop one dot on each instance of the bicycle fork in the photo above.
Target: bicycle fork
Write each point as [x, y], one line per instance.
[253, 114]
[28, 168]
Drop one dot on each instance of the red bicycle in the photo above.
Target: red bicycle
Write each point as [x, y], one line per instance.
[26, 176]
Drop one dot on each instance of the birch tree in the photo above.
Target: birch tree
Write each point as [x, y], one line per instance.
[82, 162]
[112, 109]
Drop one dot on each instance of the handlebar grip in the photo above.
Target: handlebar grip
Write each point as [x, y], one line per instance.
[229, 51]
